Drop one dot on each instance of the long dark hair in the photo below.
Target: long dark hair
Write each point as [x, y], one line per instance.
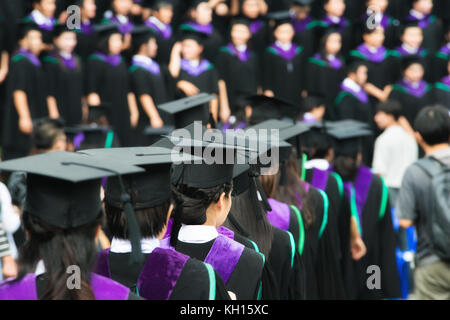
[323, 42]
[59, 249]
[259, 230]
[346, 166]
[192, 203]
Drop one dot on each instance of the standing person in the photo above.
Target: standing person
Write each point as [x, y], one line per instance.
[369, 202]
[163, 274]
[395, 149]
[326, 70]
[200, 16]
[284, 63]
[238, 65]
[27, 94]
[86, 38]
[150, 82]
[442, 89]
[160, 22]
[418, 195]
[304, 25]
[43, 15]
[64, 73]
[61, 217]
[108, 83]
[251, 10]
[120, 14]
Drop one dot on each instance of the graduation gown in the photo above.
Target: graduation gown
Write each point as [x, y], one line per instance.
[240, 71]
[26, 74]
[108, 77]
[440, 63]
[284, 72]
[164, 275]
[65, 79]
[260, 34]
[213, 40]
[86, 41]
[241, 268]
[432, 31]
[391, 30]
[442, 92]
[324, 77]
[396, 57]
[204, 76]
[412, 99]
[153, 80]
[368, 197]
[164, 38]
[352, 105]
[305, 34]
[46, 29]
[32, 287]
[343, 26]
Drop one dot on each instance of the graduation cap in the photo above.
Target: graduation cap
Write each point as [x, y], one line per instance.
[25, 26]
[104, 30]
[302, 3]
[189, 34]
[63, 188]
[195, 3]
[348, 139]
[410, 60]
[240, 20]
[89, 136]
[152, 135]
[60, 29]
[141, 35]
[187, 110]
[157, 4]
[279, 18]
[265, 108]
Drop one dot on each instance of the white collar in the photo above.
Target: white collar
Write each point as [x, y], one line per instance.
[40, 268]
[415, 85]
[284, 46]
[124, 246]
[410, 49]
[241, 48]
[65, 55]
[331, 57]
[194, 63]
[143, 59]
[416, 14]
[197, 233]
[40, 18]
[372, 49]
[122, 19]
[352, 84]
[334, 19]
[320, 164]
[156, 21]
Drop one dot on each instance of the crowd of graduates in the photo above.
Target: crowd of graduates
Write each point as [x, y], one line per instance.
[111, 78]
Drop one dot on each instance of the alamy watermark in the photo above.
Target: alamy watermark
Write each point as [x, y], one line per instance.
[73, 17]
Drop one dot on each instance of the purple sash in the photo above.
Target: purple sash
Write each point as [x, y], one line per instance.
[361, 95]
[445, 49]
[297, 195]
[113, 60]
[104, 289]
[385, 20]
[31, 57]
[446, 80]
[159, 275]
[70, 63]
[169, 228]
[226, 232]
[243, 56]
[255, 26]
[300, 25]
[195, 71]
[403, 52]
[341, 24]
[124, 28]
[207, 29]
[335, 63]
[153, 68]
[164, 33]
[319, 179]
[415, 91]
[87, 28]
[289, 54]
[423, 23]
[224, 256]
[280, 215]
[46, 27]
[362, 186]
[377, 56]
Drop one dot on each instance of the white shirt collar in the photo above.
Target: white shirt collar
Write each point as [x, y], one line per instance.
[416, 14]
[334, 19]
[194, 63]
[122, 19]
[372, 49]
[284, 46]
[40, 18]
[320, 164]
[197, 233]
[352, 84]
[65, 55]
[40, 268]
[241, 48]
[415, 85]
[156, 21]
[143, 59]
[331, 57]
[124, 246]
[409, 49]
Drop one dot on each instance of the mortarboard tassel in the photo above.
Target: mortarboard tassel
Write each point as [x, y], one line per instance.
[253, 189]
[283, 175]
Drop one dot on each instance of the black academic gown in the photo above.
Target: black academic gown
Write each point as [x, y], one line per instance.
[285, 74]
[324, 80]
[246, 278]
[241, 75]
[441, 93]
[66, 86]
[432, 32]
[192, 284]
[375, 221]
[206, 81]
[440, 63]
[212, 43]
[30, 78]
[111, 83]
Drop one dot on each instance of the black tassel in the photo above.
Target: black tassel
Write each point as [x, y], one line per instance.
[283, 175]
[176, 220]
[265, 202]
[134, 232]
[253, 190]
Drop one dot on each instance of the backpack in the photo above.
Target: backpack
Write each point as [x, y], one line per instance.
[439, 208]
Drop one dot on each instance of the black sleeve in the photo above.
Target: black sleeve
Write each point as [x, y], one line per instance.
[267, 62]
[139, 83]
[221, 291]
[214, 82]
[51, 74]
[95, 76]
[19, 75]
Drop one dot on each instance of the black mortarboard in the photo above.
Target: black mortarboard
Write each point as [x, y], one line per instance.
[279, 18]
[240, 20]
[61, 28]
[63, 188]
[409, 60]
[348, 139]
[195, 3]
[157, 4]
[140, 35]
[302, 2]
[152, 135]
[25, 26]
[266, 108]
[188, 110]
[90, 136]
[190, 34]
[105, 30]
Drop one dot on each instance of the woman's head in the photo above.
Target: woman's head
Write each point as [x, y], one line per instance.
[88, 9]
[331, 43]
[32, 41]
[164, 13]
[251, 8]
[414, 72]
[115, 43]
[374, 37]
[240, 34]
[284, 33]
[191, 49]
[412, 36]
[335, 8]
[380, 5]
[122, 7]
[423, 6]
[66, 41]
[202, 13]
[46, 7]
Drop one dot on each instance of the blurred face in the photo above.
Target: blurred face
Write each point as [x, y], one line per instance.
[33, 42]
[122, 7]
[202, 14]
[301, 12]
[240, 34]
[379, 4]
[115, 43]
[414, 72]
[335, 8]
[333, 44]
[66, 42]
[375, 39]
[152, 48]
[383, 120]
[46, 7]
[361, 75]
[284, 33]
[165, 14]
[191, 49]
[423, 6]
[89, 9]
[413, 37]
[250, 8]
[60, 143]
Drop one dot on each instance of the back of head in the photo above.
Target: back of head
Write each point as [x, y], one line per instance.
[433, 124]
[46, 134]
[391, 107]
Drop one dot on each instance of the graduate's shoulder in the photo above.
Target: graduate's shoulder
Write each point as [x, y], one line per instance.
[246, 242]
[283, 244]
